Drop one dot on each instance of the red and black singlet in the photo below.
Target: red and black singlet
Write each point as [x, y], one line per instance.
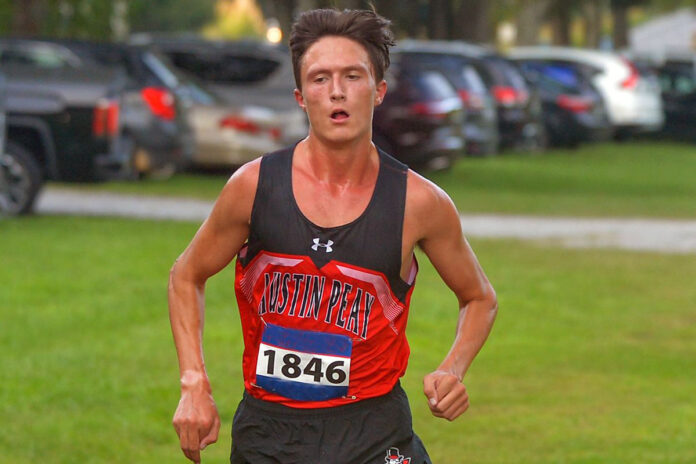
[323, 309]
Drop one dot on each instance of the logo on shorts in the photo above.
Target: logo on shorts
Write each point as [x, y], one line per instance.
[326, 246]
[394, 457]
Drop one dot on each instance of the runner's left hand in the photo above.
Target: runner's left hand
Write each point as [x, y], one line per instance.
[447, 396]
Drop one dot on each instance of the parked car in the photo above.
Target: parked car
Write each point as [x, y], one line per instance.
[677, 76]
[572, 108]
[245, 74]
[480, 122]
[420, 119]
[518, 109]
[633, 102]
[229, 136]
[59, 124]
[154, 118]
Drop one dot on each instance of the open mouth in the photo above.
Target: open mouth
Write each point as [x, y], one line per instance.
[339, 115]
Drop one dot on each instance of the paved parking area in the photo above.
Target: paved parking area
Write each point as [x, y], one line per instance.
[668, 236]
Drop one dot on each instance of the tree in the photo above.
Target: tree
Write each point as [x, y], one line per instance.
[27, 17]
[439, 19]
[472, 21]
[531, 16]
[236, 19]
[592, 13]
[169, 15]
[619, 14]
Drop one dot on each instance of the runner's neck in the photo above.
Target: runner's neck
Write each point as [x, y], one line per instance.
[345, 166]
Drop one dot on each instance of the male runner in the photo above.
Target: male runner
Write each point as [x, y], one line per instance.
[324, 234]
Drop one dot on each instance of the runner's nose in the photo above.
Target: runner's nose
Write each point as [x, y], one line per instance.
[337, 92]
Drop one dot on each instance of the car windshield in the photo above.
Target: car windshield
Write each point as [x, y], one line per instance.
[40, 56]
[455, 68]
[502, 73]
[159, 69]
[431, 85]
[557, 78]
[224, 67]
[677, 79]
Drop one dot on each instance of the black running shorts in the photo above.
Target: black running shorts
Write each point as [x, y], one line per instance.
[373, 431]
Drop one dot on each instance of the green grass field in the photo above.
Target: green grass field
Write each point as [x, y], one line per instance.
[591, 360]
[649, 179]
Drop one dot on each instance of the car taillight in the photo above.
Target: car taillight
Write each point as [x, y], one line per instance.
[505, 96]
[160, 101]
[276, 133]
[105, 120]
[429, 109]
[240, 124]
[508, 96]
[574, 104]
[632, 80]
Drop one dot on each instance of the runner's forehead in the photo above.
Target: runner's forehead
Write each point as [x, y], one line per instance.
[332, 53]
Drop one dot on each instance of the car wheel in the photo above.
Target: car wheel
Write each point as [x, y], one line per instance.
[20, 180]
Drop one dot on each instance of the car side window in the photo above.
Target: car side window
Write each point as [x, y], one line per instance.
[40, 57]
[677, 82]
[473, 78]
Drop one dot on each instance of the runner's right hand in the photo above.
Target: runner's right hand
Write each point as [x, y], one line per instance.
[196, 419]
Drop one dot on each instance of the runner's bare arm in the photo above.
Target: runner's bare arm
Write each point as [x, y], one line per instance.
[437, 230]
[213, 247]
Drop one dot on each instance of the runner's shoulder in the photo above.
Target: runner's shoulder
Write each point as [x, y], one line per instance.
[425, 199]
[247, 175]
[237, 196]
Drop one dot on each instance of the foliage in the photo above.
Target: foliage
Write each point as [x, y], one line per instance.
[468, 19]
[236, 19]
[591, 358]
[169, 15]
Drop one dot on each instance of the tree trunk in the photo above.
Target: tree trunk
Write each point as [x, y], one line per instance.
[561, 24]
[408, 17]
[439, 17]
[472, 21]
[529, 20]
[592, 21]
[619, 14]
[27, 16]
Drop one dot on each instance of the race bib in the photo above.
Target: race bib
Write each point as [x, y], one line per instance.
[303, 365]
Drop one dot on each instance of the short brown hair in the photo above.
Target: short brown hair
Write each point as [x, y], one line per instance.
[363, 26]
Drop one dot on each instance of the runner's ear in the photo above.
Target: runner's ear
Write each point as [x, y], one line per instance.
[299, 99]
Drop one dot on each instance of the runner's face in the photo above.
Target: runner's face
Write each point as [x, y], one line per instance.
[339, 92]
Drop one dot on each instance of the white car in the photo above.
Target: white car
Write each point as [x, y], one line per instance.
[633, 102]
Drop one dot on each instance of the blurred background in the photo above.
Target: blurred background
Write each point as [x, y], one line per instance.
[564, 131]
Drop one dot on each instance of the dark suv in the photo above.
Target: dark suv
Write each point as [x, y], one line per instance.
[573, 109]
[480, 124]
[677, 77]
[60, 124]
[420, 119]
[154, 121]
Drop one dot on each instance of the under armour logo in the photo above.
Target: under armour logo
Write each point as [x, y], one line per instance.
[326, 246]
